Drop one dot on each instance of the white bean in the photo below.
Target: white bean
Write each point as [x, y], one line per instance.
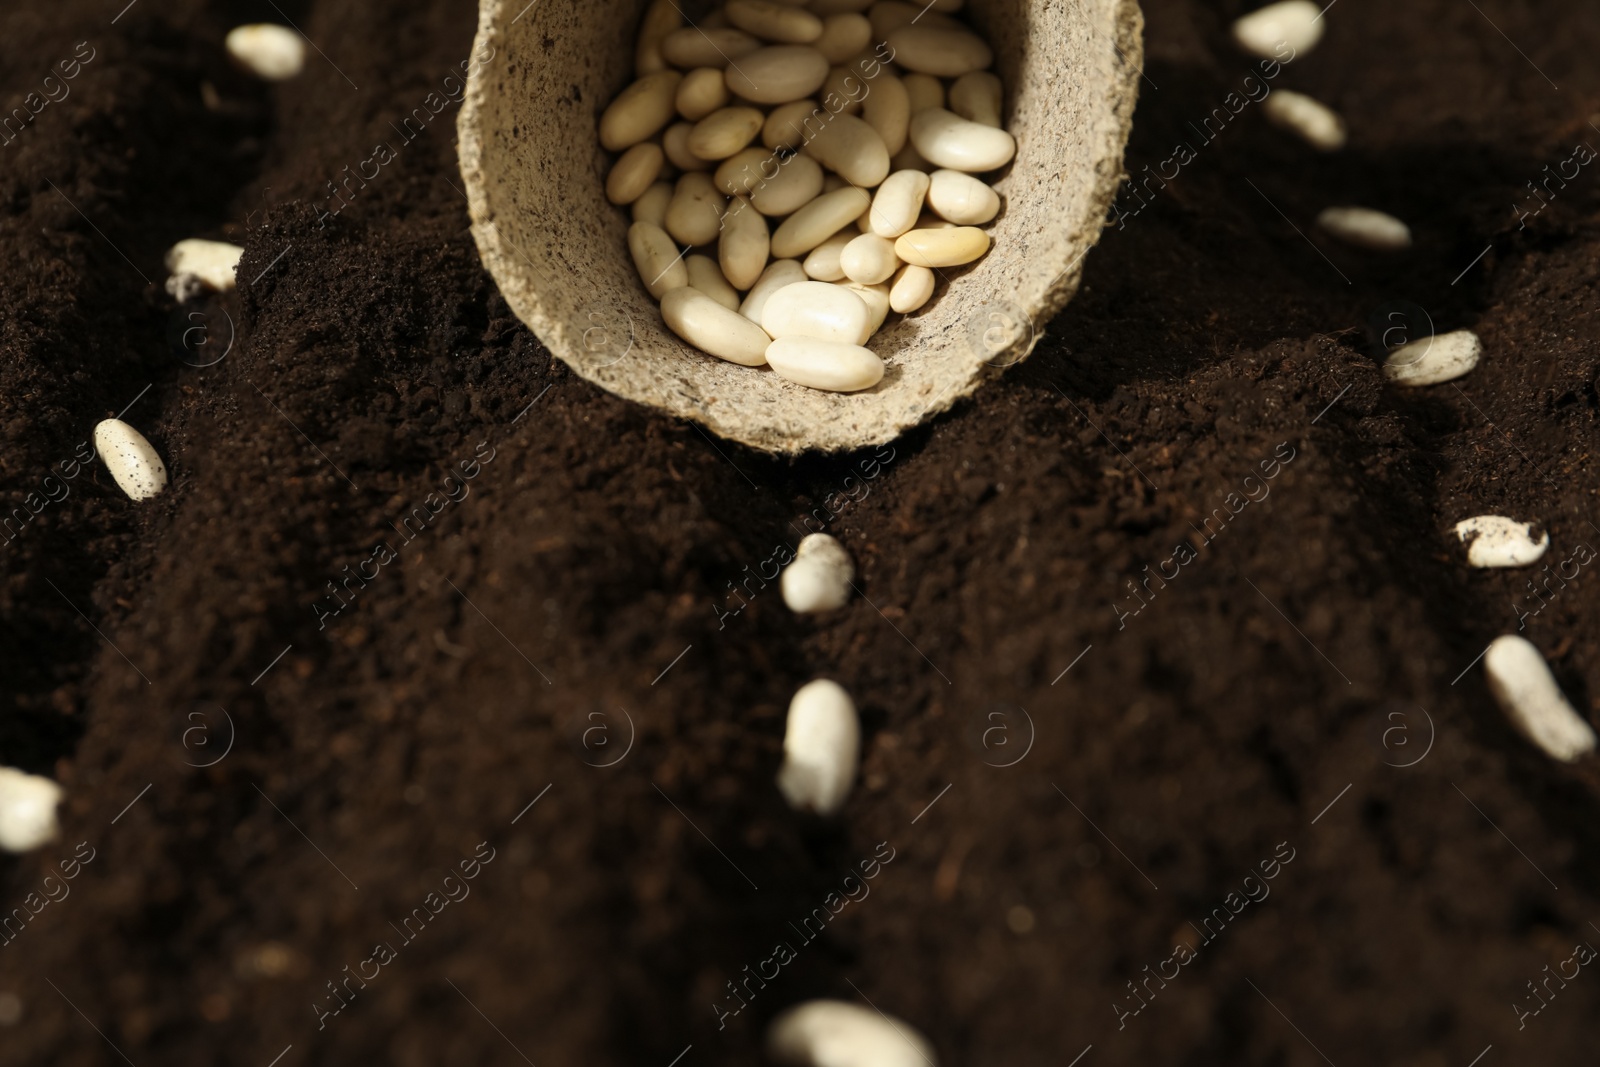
[714, 329]
[675, 143]
[778, 74]
[843, 35]
[924, 90]
[942, 248]
[820, 576]
[817, 221]
[869, 259]
[633, 173]
[1366, 228]
[836, 7]
[1293, 24]
[1432, 360]
[211, 264]
[821, 747]
[822, 263]
[745, 243]
[1527, 692]
[817, 310]
[887, 109]
[28, 810]
[779, 273]
[876, 297]
[797, 183]
[743, 170]
[702, 91]
[133, 462]
[652, 204]
[1315, 123]
[836, 1033]
[912, 288]
[1498, 541]
[792, 125]
[657, 259]
[694, 216]
[706, 277]
[640, 111]
[961, 198]
[725, 131]
[945, 139]
[695, 46]
[270, 52]
[660, 19]
[976, 97]
[830, 365]
[889, 15]
[851, 149]
[898, 202]
[945, 53]
[772, 21]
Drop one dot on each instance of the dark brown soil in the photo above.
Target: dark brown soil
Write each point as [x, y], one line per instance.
[1258, 705]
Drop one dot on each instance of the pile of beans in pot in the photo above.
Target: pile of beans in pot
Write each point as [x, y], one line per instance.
[797, 171]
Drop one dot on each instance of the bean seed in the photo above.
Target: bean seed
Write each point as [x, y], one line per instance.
[707, 46]
[1432, 360]
[272, 53]
[778, 74]
[912, 288]
[212, 264]
[898, 202]
[694, 217]
[869, 259]
[821, 747]
[656, 258]
[1316, 123]
[28, 810]
[797, 183]
[712, 328]
[652, 204]
[792, 125]
[660, 19]
[851, 149]
[772, 21]
[819, 578]
[1527, 692]
[725, 131]
[830, 365]
[706, 277]
[1295, 24]
[836, 1033]
[942, 248]
[961, 198]
[843, 36]
[948, 140]
[1498, 541]
[745, 243]
[702, 91]
[822, 263]
[887, 109]
[945, 53]
[976, 97]
[817, 310]
[132, 461]
[924, 90]
[675, 143]
[817, 221]
[876, 297]
[779, 273]
[633, 173]
[640, 111]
